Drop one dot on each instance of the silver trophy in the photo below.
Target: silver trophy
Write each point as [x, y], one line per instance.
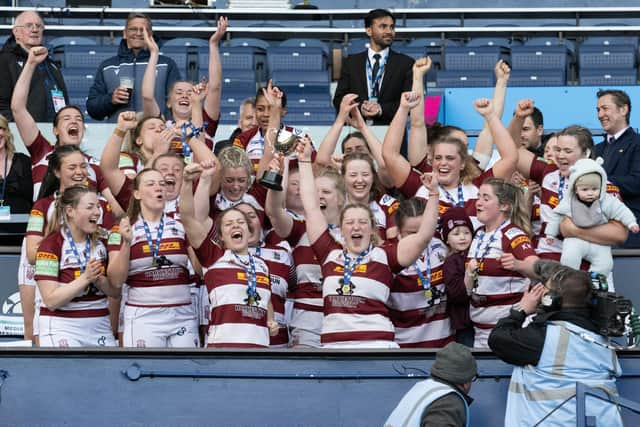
[281, 141]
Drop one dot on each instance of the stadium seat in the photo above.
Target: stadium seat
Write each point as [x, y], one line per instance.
[608, 77]
[610, 41]
[71, 40]
[551, 41]
[303, 43]
[81, 56]
[186, 41]
[247, 42]
[489, 41]
[236, 57]
[465, 78]
[309, 100]
[612, 56]
[180, 55]
[78, 80]
[472, 58]
[310, 116]
[301, 81]
[294, 58]
[415, 52]
[239, 81]
[542, 57]
[538, 77]
[357, 45]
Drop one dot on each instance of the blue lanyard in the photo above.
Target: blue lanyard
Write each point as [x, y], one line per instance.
[253, 298]
[373, 80]
[86, 253]
[258, 249]
[195, 132]
[492, 238]
[4, 178]
[346, 287]
[561, 188]
[425, 278]
[154, 247]
[460, 202]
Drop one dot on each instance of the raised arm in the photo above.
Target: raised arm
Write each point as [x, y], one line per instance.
[411, 246]
[118, 268]
[524, 108]
[110, 159]
[273, 96]
[328, 145]
[208, 182]
[275, 205]
[397, 166]
[316, 223]
[150, 106]
[27, 126]
[418, 143]
[214, 87]
[483, 149]
[507, 149]
[195, 229]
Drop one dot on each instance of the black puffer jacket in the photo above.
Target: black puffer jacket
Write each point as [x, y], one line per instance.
[39, 104]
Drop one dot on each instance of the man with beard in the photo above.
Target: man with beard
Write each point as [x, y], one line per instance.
[620, 151]
[378, 75]
[47, 88]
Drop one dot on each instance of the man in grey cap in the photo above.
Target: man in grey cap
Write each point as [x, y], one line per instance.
[441, 400]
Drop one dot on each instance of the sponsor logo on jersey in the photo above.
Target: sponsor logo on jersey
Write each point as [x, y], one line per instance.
[521, 240]
[362, 268]
[553, 201]
[165, 246]
[513, 233]
[36, 221]
[241, 275]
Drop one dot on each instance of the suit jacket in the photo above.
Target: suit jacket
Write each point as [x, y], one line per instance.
[397, 78]
[622, 164]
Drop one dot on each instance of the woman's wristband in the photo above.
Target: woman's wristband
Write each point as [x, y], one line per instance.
[119, 133]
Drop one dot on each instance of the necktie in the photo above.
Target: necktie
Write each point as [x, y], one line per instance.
[611, 139]
[374, 73]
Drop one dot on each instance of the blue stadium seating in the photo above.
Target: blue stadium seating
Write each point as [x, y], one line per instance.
[309, 100]
[78, 80]
[357, 45]
[304, 43]
[234, 57]
[472, 58]
[551, 41]
[302, 81]
[538, 77]
[180, 55]
[608, 77]
[612, 56]
[186, 41]
[465, 78]
[299, 59]
[610, 41]
[489, 41]
[71, 40]
[310, 116]
[541, 57]
[247, 42]
[86, 56]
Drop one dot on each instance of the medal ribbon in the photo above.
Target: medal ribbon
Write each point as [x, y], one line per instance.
[425, 278]
[154, 247]
[460, 202]
[184, 135]
[350, 268]
[492, 238]
[252, 278]
[561, 188]
[86, 253]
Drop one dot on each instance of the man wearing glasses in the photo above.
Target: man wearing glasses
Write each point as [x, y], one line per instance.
[48, 93]
[118, 81]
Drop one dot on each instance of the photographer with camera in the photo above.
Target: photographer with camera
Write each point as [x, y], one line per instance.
[561, 346]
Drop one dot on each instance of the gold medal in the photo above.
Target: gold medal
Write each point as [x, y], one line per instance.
[346, 289]
[428, 294]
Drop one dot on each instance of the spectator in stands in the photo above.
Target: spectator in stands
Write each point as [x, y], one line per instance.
[48, 91]
[441, 400]
[108, 96]
[378, 75]
[548, 353]
[16, 188]
[531, 133]
[246, 117]
[620, 151]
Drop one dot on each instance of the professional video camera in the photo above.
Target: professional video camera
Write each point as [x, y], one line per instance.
[613, 314]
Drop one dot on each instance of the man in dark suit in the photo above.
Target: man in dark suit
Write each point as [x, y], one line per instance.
[378, 75]
[620, 151]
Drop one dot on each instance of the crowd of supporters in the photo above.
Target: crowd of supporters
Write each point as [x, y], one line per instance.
[172, 240]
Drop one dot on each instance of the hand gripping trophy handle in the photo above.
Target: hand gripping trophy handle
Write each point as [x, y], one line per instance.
[284, 142]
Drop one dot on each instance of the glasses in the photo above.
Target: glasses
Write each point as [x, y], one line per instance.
[135, 29]
[31, 26]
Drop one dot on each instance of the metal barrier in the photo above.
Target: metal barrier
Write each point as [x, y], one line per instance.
[582, 391]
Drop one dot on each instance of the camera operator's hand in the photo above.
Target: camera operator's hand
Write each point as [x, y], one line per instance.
[531, 298]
